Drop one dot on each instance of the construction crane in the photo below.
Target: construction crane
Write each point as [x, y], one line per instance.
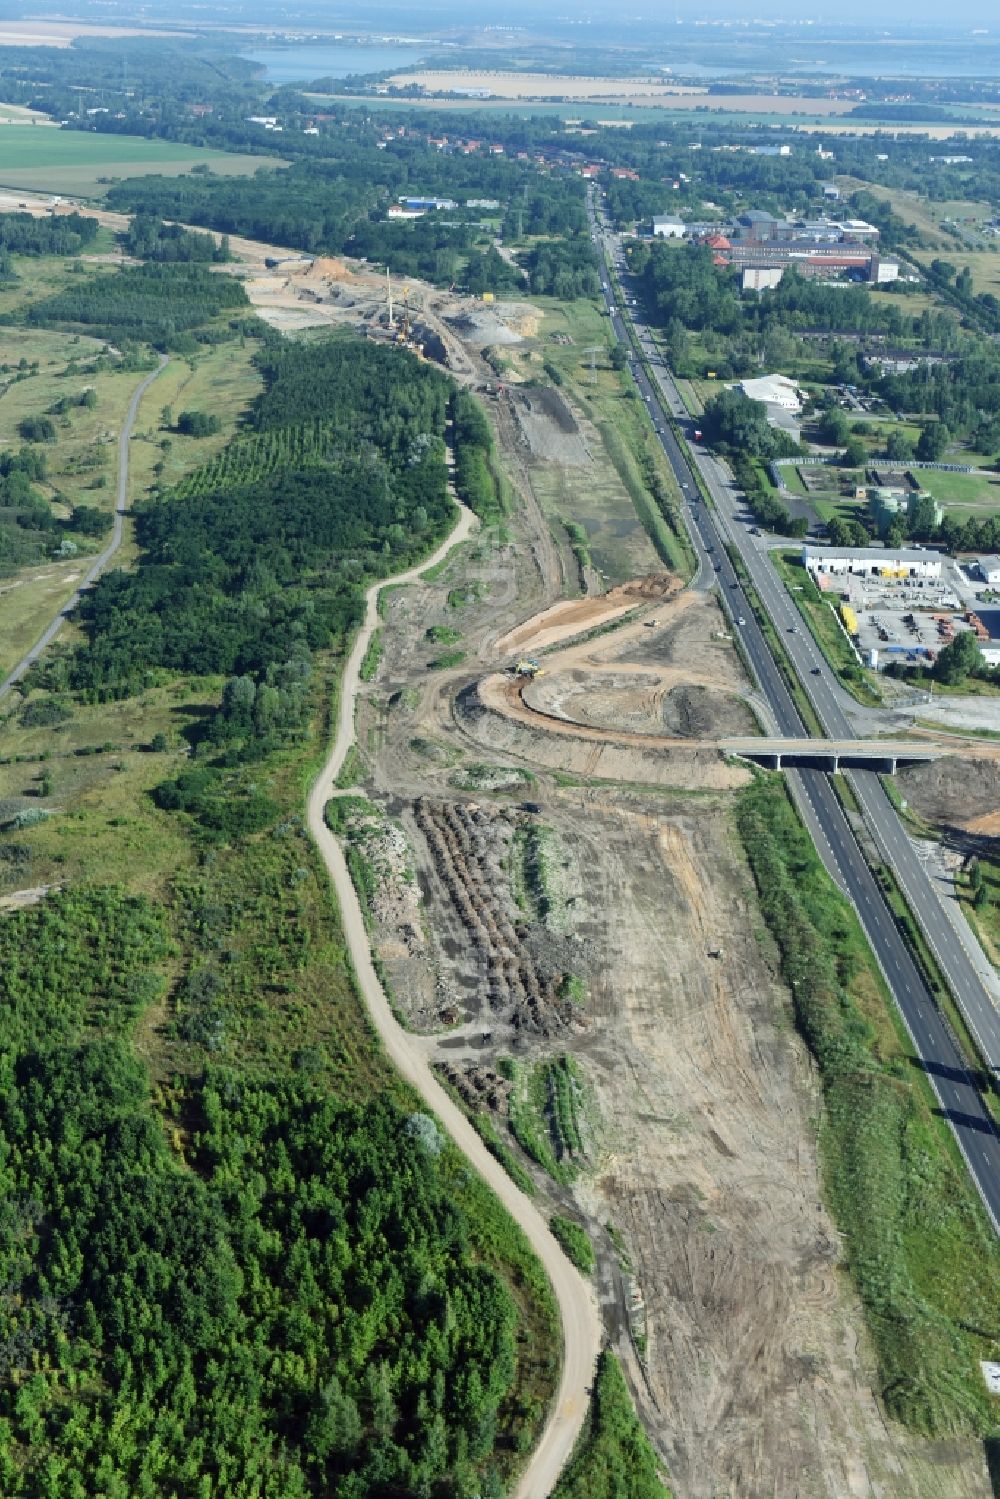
[406, 325]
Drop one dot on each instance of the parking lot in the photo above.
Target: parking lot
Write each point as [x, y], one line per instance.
[910, 621]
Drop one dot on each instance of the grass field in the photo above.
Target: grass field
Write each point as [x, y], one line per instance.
[984, 265]
[963, 492]
[45, 368]
[34, 158]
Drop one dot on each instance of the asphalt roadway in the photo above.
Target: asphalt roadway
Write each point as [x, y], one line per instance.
[100, 562]
[936, 1050]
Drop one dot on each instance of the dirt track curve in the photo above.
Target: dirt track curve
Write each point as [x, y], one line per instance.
[581, 1325]
[99, 563]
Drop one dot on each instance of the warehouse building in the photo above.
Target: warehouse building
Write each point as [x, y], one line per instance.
[872, 562]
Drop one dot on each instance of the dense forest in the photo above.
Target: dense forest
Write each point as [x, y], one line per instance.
[261, 559]
[562, 268]
[148, 238]
[338, 204]
[63, 234]
[294, 1310]
[252, 1284]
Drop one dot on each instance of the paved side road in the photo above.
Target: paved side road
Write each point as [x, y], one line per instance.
[99, 563]
[581, 1326]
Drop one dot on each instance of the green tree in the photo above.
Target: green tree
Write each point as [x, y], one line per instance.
[959, 659]
[934, 439]
[855, 454]
[898, 446]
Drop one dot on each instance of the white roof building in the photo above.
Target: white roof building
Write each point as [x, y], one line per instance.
[774, 390]
[669, 228]
[989, 570]
[872, 562]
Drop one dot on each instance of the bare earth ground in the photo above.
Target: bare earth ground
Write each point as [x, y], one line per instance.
[962, 796]
[701, 1147]
[634, 91]
[64, 33]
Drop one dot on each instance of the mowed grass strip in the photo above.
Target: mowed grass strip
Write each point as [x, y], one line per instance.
[74, 161]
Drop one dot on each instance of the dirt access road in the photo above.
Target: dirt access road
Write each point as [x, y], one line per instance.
[99, 563]
[581, 1325]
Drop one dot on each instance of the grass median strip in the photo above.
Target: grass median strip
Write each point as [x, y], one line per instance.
[805, 708]
[923, 1257]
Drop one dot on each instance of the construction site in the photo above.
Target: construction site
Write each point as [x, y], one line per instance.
[564, 915]
[566, 918]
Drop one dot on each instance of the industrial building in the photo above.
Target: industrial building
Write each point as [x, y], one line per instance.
[989, 570]
[884, 504]
[844, 258]
[759, 244]
[872, 562]
[428, 203]
[761, 277]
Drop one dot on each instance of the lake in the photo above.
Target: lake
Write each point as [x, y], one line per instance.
[302, 64]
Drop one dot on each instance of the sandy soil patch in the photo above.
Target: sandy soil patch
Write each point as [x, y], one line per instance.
[19, 900]
[758, 1376]
[64, 33]
[549, 428]
[504, 323]
[643, 702]
[575, 616]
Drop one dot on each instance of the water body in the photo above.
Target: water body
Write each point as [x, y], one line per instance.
[301, 64]
[904, 56]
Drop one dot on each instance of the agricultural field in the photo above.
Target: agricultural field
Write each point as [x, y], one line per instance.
[635, 92]
[81, 164]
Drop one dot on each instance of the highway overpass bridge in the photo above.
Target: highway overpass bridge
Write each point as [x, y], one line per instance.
[884, 755]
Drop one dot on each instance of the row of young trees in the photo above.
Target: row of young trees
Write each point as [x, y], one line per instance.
[245, 575]
[168, 306]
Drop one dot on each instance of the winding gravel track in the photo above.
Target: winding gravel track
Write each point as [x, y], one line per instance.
[581, 1326]
[99, 563]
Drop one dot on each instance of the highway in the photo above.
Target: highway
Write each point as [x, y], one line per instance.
[936, 1048]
